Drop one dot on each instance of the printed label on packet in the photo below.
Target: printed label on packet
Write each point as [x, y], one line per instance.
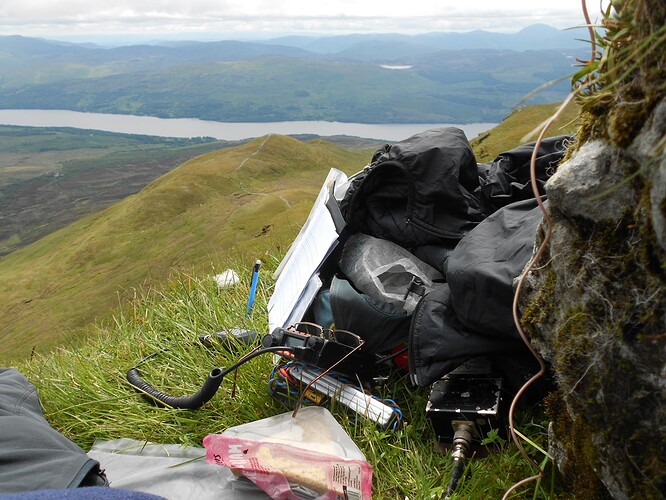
[347, 479]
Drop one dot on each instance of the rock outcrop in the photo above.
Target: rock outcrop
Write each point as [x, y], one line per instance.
[594, 305]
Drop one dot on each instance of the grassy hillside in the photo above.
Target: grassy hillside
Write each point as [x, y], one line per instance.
[50, 177]
[241, 201]
[513, 129]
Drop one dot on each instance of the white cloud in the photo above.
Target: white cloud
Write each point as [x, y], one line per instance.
[79, 17]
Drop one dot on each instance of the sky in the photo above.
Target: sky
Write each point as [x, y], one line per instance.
[220, 19]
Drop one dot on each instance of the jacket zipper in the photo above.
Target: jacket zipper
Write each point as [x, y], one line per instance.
[411, 350]
[441, 234]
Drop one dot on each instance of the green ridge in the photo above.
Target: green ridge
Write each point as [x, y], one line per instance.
[241, 200]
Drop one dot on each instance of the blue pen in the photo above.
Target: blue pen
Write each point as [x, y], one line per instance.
[253, 286]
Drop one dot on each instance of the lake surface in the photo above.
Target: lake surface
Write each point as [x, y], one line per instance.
[191, 127]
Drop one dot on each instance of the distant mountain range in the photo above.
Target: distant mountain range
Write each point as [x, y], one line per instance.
[372, 78]
[534, 37]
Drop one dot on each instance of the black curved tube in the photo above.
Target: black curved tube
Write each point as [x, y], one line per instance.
[208, 389]
[196, 400]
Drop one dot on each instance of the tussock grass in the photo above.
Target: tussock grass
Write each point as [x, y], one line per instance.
[623, 81]
[85, 394]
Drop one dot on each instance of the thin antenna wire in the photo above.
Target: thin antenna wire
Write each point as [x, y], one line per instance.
[248, 355]
[590, 29]
[307, 387]
[537, 256]
[535, 259]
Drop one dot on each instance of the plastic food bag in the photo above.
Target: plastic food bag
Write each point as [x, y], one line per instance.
[307, 456]
[171, 471]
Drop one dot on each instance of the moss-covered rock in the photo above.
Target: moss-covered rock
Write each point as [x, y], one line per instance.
[594, 306]
[596, 312]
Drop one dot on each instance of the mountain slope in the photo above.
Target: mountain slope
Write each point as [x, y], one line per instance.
[246, 198]
[521, 122]
[50, 177]
[445, 87]
[23, 52]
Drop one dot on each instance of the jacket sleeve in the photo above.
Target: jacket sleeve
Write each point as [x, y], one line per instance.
[33, 455]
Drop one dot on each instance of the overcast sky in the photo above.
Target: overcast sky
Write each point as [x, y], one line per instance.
[238, 18]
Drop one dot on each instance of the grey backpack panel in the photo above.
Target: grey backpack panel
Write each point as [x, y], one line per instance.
[385, 271]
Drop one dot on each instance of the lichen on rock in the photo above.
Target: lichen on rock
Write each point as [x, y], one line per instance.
[579, 186]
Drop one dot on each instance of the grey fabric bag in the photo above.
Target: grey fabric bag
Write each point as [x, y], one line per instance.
[376, 291]
[33, 455]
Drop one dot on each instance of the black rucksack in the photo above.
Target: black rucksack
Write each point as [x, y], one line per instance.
[473, 223]
[419, 191]
[471, 314]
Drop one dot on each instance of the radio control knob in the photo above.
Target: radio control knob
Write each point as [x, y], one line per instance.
[314, 343]
[272, 339]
